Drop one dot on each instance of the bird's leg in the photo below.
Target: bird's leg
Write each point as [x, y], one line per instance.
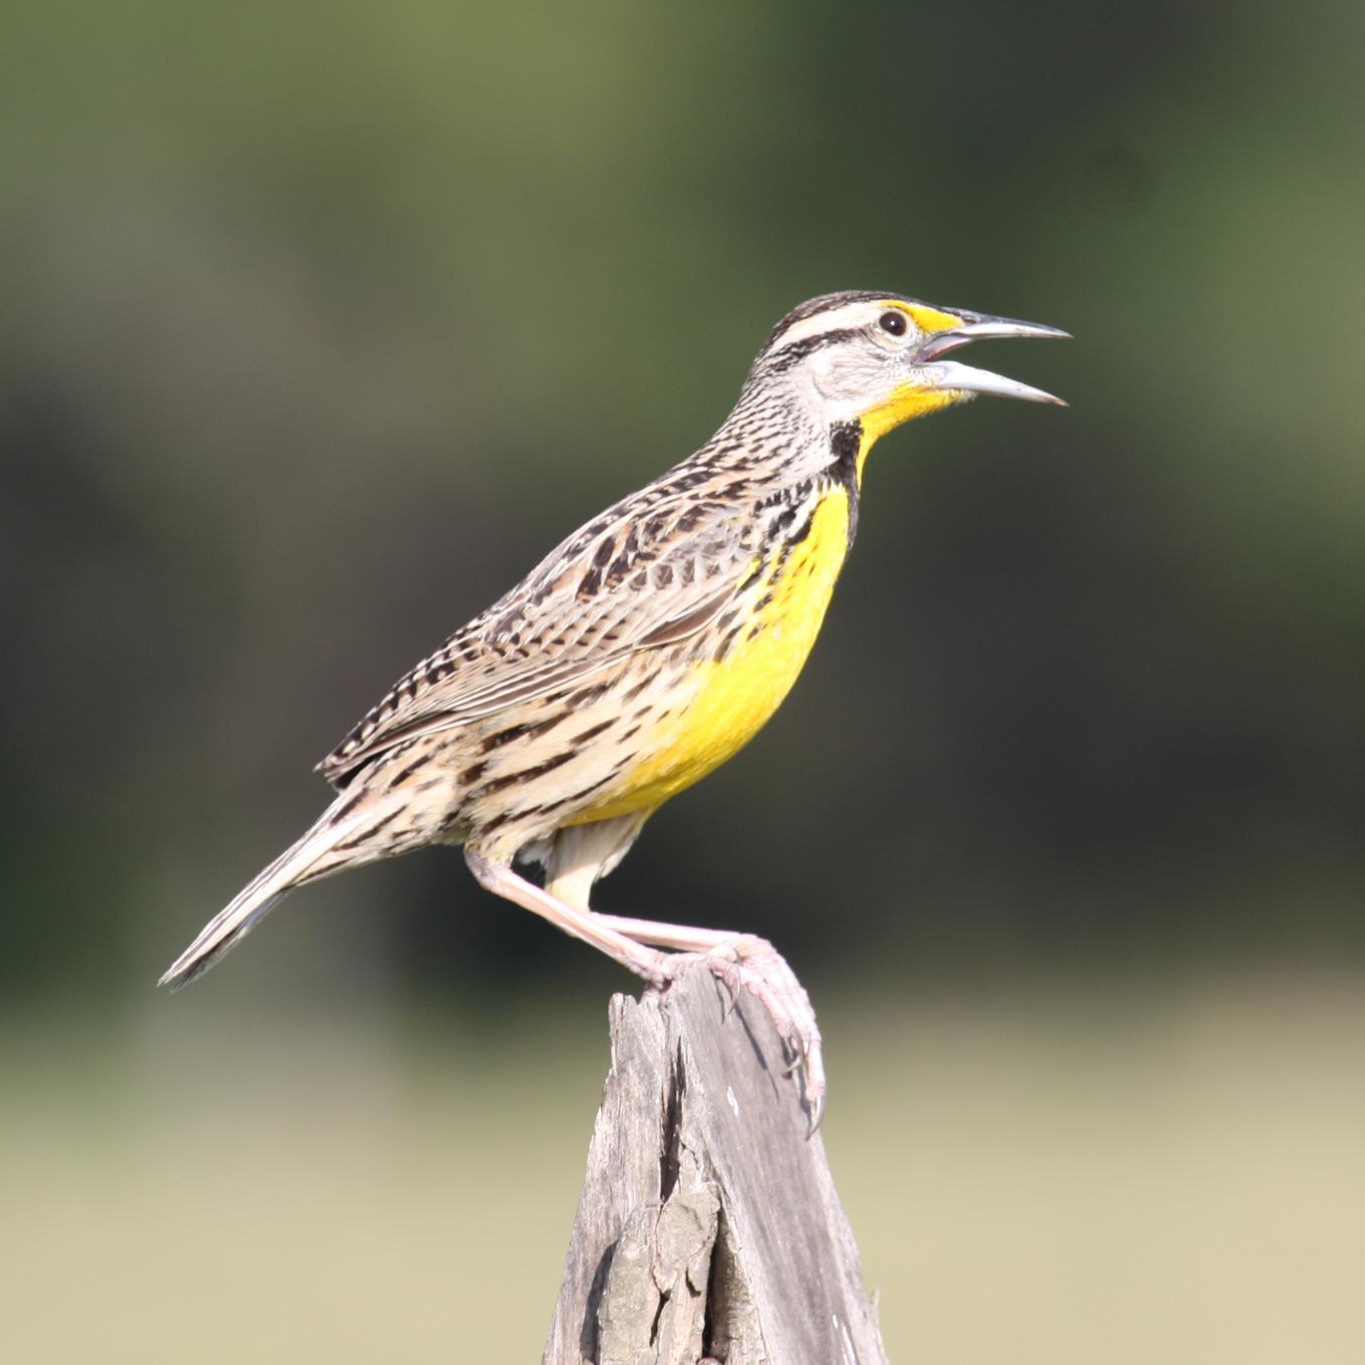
[740, 960]
[737, 960]
[654, 967]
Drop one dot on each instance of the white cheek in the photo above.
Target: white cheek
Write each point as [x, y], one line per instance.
[851, 383]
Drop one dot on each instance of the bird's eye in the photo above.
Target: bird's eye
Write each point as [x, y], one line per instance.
[893, 323]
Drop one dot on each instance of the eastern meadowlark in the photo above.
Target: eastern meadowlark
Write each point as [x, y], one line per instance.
[642, 653]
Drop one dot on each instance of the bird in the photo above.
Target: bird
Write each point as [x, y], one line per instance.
[640, 654]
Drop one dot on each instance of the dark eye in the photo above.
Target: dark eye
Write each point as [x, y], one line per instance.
[893, 323]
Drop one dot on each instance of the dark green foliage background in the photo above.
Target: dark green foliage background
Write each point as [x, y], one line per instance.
[322, 326]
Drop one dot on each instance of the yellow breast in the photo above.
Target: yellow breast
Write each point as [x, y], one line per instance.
[726, 701]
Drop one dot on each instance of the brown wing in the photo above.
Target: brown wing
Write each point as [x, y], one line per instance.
[650, 572]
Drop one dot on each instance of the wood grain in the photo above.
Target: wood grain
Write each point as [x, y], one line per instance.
[709, 1228]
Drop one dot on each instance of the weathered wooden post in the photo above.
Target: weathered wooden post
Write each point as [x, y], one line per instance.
[709, 1228]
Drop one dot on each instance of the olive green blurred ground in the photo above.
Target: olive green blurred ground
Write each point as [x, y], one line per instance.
[1059, 1174]
[320, 324]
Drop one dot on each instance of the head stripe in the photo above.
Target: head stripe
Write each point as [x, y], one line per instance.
[925, 316]
[834, 313]
[784, 357]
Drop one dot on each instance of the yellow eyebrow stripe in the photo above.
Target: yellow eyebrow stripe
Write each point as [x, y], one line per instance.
[925, 318]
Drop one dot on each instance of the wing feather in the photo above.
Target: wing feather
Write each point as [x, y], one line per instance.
[637, 578]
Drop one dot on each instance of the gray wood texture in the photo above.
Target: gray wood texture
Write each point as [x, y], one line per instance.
[709, 1228]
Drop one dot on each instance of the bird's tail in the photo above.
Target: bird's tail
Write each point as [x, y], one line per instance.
[336, 840]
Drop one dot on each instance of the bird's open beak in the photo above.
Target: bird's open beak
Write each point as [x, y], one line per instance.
[949, 375]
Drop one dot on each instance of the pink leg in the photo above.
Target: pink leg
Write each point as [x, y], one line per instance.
[738, 960]
[591, 928]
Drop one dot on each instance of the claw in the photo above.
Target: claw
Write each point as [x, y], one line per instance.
[744, 961]
[815, 1113]
[753, 963]
[812, 1094]
[729, 1002]
[813, 1088]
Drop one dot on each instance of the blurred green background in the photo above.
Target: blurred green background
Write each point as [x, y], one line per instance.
[321, 323]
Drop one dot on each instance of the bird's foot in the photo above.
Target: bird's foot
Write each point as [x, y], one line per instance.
[745, 961]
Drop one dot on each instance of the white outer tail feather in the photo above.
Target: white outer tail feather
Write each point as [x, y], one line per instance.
[255, 900]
